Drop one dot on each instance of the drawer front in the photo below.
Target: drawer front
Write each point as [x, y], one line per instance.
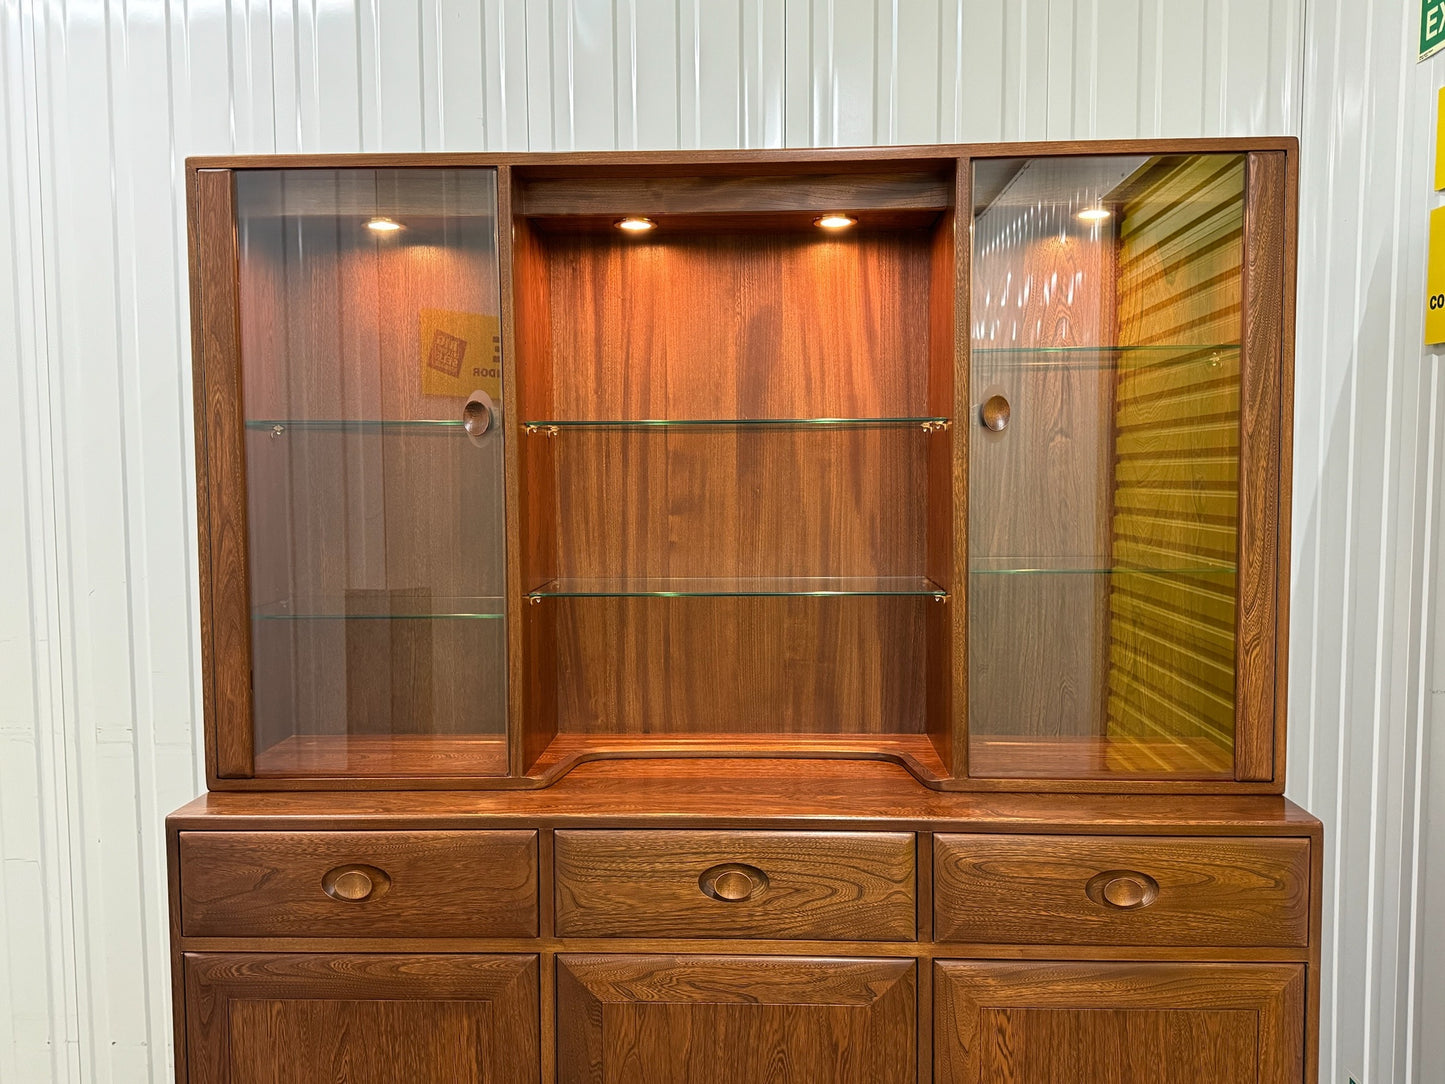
[359, 884]
[1100, 890]
[834, 885]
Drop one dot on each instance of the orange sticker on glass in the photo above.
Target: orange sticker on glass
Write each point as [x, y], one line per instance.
[461, 352]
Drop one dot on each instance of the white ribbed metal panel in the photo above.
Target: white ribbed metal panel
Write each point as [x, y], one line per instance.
[1370, 416]
[100, 101]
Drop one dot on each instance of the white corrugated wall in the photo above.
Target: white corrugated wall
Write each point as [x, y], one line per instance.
[99, 104]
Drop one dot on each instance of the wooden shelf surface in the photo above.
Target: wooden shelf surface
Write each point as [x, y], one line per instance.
[1098, 758]
[749, 792]
[384, 755]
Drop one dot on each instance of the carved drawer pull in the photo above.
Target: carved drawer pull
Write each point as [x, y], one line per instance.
[1122, 889]
[356, 884]
[733, 882]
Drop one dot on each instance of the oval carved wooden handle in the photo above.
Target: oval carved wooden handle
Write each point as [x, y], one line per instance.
[1122, 889]
[995, 413]
[733, 882]
[355, 883]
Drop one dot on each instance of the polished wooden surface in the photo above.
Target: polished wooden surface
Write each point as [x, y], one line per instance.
[1035, 889]
[264, 1018]
[721, 1020]
[855, 885]
[609, 197]
[746, 161]
[1100, 758]
[641, 989]
[844, 913]
[579, 309]
[1268, 242]
[225, 605]
[944, 554]
[1047, 1023]
[448, 884]
[825, 327]
[533, 473]
[752, 667]
[398, 756]
[722, 792]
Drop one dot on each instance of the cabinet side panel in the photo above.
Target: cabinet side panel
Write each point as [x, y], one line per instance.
[1259, 475]
[225, 608]
[943, 354]
[534, 701]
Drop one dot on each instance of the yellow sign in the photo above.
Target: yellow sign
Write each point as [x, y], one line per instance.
[1440, 140]
[461, 352]
[1435, 281]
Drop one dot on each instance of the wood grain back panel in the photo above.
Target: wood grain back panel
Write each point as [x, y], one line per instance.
[742, 503]
[748, 324]
[740, 665]
[1045, 890]
[851, 885]
[739, 325]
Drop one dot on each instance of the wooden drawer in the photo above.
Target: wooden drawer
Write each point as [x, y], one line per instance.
[359, 884]
[1102, 890]
[846, 885]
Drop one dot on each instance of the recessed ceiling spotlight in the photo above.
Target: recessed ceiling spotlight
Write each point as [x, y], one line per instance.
[1093, 214]
[382, 224]
[635, 224]
[835, 220]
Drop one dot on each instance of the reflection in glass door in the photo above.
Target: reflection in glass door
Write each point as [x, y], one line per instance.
[1103, 508]
[371, 370]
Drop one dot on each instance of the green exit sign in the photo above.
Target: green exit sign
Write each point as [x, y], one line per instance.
[1432, 27]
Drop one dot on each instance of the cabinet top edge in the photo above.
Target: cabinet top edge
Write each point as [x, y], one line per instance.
[830, 794]
[759, 156]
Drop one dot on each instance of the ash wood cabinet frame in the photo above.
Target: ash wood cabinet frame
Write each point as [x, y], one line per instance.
[1042, 981]
[535, 755]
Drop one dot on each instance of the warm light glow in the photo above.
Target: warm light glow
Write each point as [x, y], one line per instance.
[636, 224]
[382, 224]
[835, 220]
[1093, 214]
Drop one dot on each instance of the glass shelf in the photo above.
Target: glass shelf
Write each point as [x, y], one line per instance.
[1105, 357]
[723, 586]
[928, 424]
[333, 608]
[1086, 566]
[350, 425]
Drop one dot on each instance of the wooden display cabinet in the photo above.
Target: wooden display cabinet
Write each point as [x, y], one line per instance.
[687, 553]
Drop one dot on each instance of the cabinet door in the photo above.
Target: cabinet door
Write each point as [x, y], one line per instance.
[1043, 1023]
[349, 391]
[724, 1019]
[1126, 377]
[257, 1018]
